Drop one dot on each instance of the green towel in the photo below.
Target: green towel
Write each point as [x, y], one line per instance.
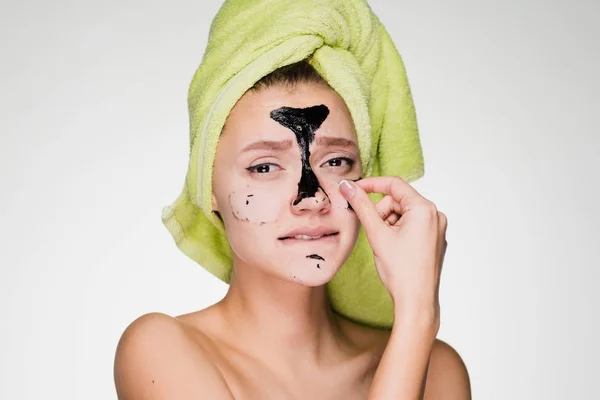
[351, 49]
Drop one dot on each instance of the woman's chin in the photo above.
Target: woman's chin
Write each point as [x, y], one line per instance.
[314, 278]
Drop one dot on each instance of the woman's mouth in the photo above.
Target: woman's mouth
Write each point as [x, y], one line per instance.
[325, 238]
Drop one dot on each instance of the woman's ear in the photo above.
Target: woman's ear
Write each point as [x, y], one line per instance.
[215, 206]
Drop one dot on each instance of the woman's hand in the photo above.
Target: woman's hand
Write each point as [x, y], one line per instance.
[408, 237]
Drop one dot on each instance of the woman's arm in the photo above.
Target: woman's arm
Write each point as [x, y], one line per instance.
[403, 368]
[407, 234]
[415, 365]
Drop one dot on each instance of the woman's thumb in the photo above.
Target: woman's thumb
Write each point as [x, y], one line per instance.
[363, 207]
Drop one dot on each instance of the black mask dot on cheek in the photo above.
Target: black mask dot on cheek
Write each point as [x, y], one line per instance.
[236, 215]
[304, 122]
[242, 214]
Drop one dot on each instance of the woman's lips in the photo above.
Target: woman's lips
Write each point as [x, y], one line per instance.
[309, 231]
[331, 238]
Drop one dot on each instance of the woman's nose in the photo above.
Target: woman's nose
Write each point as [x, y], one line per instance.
[318, 202]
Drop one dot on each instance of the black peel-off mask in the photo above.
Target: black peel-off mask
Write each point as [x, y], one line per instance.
[304, 122]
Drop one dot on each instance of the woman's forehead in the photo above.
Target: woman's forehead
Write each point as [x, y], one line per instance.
[251, 120]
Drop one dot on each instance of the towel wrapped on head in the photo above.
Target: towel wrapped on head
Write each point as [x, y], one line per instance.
[350, 48]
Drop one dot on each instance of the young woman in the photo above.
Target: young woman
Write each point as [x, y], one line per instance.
[274, 335]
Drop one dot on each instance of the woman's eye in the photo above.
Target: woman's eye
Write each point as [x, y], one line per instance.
[338, 162]
[263, 168]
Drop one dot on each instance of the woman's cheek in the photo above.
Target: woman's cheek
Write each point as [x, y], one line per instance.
[257, 205]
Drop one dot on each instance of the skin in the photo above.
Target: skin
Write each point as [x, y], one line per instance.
[274, 335]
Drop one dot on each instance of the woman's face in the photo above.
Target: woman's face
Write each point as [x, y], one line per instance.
[277, 167]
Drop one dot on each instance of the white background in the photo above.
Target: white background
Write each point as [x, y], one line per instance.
[94, 142]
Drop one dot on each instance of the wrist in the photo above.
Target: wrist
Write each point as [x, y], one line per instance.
[422, 318]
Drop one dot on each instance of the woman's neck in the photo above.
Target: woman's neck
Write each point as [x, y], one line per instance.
[283, 322]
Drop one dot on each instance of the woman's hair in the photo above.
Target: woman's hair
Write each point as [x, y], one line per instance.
[290, 75]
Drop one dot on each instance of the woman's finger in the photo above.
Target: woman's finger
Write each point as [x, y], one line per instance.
[363, 207]
[404, 195]
[385, 207]
[392, 219]
[387, 210]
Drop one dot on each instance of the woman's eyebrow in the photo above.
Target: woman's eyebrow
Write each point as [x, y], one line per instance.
[273, 145]
[328, 141]
[282, 145]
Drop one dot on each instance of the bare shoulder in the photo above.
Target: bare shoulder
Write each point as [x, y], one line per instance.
[159, 357]
[447, 376]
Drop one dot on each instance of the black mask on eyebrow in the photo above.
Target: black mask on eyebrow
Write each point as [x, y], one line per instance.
[304, 122]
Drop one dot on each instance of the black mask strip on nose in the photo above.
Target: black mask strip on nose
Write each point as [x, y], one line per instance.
[304, 122]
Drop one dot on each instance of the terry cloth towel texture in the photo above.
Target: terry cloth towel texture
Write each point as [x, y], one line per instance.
[348, 45]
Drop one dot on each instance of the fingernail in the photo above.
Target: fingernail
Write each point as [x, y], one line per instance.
[346, 188]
